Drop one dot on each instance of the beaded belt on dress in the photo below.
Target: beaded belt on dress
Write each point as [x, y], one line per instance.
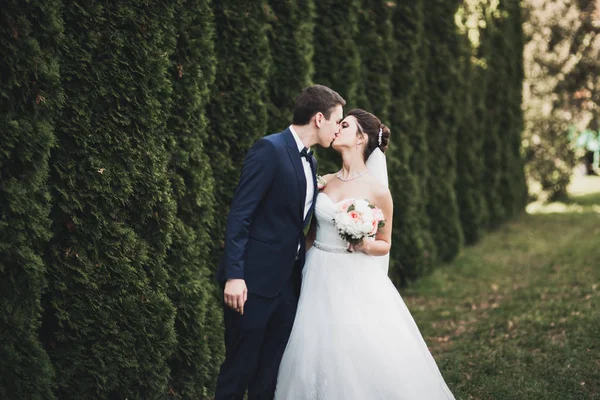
[329, 248]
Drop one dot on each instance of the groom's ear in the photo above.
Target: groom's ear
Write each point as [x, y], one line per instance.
[319, 117]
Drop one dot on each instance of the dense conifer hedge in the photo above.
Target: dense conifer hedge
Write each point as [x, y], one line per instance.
[443, 115]
[30, 98]
[195, 362]
[238, 107]
[108, 323]
[123, 129]
[291, 44]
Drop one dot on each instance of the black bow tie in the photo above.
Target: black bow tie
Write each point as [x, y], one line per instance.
[306, 154]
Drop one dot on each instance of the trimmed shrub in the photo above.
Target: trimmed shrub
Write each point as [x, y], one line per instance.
[469, 156]
[108, 323]
[30, 98]
[443, 80]
[237, 111]
[290, 41]
[375, 45]
[412, 249]
[337, 61]
[197, 357]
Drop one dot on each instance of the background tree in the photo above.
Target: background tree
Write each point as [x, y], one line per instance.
[407, 157]
[291, 44]
[30, 97]
[561, 89]
[108, 323]
[238, 110]
[337, 61]
[443, 112]
[375, 44]
[197, 357]
[470, 158]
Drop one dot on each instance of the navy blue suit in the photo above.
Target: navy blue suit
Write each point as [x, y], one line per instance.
[264, 227]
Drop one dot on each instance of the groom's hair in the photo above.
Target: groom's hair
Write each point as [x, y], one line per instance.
[315, 99]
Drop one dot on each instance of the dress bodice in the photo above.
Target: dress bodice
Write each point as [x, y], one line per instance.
[327, 234]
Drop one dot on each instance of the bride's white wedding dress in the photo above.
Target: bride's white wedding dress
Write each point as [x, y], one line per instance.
[353, 337]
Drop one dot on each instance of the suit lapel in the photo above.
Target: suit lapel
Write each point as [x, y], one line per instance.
[313, 167]
[296, 160]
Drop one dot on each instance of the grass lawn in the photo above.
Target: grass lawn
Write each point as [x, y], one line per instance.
[518, 315]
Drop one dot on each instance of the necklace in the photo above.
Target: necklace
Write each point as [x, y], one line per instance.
[339, 176]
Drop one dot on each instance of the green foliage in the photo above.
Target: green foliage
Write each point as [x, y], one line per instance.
[337, 60]
[443, 82]
[108, 323]
[470, 162]
[407, 162]
[375, 45]
[30, 97]
[116, 199]
[290, 40]
[561, 87]
[238, 111]
[507, 43]
[195, 362]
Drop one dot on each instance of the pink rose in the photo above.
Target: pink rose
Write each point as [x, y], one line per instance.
[354, 215]
[375, 227]
[378, 214]
[344, 206]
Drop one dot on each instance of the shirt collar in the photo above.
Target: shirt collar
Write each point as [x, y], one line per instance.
[297, 139]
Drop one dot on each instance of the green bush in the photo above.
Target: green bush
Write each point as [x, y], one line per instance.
[412, 249]
[108, 323]
[470, 162]
[375, 45]
[197, 357]
[290, 41]
[237, 111]
[443, 114]
[337, 61]
[30, 97]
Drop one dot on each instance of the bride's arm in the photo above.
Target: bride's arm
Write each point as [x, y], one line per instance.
[383, 240]
[312, 233]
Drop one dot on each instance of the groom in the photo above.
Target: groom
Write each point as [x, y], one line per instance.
[265, 245]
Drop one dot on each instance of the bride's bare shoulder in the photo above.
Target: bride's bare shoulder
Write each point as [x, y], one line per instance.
[327, 178]
[380, 193]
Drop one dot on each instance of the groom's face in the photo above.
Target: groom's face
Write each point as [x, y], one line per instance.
[331, 127]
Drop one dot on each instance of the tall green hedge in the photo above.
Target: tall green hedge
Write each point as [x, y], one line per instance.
[108, 323]
[514, 191]
[443, 76]
[410, 254]
[30, 97]
[337, 61]
[291, 44]
[375, 45]
[470, 162]
[238, 107]
[195, 362]
[493, 148]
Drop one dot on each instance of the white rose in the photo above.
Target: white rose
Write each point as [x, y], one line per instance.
[361, 205]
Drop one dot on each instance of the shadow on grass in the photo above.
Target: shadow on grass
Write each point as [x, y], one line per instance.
[586, 200]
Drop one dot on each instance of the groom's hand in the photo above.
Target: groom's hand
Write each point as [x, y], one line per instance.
[236, 294]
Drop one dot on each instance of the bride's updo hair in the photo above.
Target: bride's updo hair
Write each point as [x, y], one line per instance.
[370, 125]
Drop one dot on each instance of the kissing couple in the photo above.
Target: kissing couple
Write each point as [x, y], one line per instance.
[309, 312]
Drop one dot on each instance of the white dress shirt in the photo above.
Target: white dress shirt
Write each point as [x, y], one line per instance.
[310, 187]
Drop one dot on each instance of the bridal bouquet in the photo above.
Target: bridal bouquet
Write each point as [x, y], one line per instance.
[358, 219]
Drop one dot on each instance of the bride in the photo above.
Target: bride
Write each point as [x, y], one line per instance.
[353, 337]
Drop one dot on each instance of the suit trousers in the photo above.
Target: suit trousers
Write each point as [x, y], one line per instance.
[255, 342]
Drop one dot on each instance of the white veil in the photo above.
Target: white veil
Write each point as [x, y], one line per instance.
[378, 168]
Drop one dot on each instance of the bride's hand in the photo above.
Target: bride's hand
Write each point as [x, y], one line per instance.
[362, 246]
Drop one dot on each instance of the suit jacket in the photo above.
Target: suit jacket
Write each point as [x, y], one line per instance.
[266, 220]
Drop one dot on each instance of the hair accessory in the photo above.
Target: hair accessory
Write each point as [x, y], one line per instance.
[380, 133]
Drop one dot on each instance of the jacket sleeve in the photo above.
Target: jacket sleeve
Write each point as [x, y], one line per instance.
[258, 173]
